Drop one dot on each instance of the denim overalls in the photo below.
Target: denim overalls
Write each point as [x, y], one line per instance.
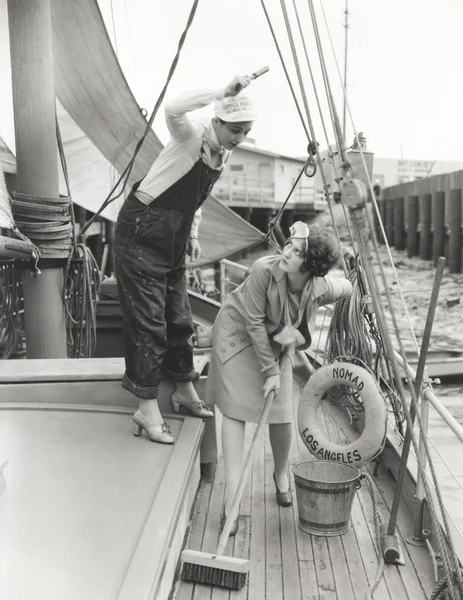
[150, 250]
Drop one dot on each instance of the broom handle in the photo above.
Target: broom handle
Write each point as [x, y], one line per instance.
[244, 474]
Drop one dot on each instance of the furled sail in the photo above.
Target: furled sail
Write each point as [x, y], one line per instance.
[6, 216]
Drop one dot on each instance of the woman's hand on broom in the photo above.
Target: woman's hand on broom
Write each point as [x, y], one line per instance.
[272, 383]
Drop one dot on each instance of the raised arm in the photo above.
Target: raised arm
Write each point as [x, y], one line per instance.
[181, 128]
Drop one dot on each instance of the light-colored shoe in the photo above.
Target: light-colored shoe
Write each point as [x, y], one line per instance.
[199, 409]
[283, 498]
[156, 433]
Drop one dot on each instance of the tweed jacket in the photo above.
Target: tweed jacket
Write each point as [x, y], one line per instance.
[254, 312]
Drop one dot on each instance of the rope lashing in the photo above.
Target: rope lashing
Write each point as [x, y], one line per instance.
[124, 177]
[46, 221]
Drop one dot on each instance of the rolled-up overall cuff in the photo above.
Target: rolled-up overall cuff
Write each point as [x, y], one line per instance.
[144, 392]
[190, 375]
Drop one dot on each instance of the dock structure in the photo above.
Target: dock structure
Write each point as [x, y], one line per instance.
[425, 218]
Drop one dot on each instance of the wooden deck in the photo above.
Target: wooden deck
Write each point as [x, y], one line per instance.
[289, 564]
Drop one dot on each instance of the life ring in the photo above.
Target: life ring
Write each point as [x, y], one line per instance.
[371, 441]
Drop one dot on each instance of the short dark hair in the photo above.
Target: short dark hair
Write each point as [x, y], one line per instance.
[322, 253]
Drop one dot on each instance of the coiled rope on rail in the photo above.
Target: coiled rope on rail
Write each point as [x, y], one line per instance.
[81, 283]
[348, 333]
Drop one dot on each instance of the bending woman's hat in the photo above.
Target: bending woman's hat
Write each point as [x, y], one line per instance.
[299, 230]
[235, 109]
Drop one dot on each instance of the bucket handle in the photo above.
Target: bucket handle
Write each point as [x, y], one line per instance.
[358, 483]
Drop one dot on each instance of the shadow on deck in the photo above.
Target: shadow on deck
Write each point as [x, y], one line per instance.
[289, 564]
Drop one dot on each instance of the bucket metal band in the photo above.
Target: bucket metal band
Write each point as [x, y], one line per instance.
[322, 526]
[319, 490]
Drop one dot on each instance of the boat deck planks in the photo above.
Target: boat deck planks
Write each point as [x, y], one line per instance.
[289, 564]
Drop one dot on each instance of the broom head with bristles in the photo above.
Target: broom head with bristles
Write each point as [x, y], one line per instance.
[211, 569]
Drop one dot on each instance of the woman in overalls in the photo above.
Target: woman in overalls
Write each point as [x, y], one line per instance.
[156, 228]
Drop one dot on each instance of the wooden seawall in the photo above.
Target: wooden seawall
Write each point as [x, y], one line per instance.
[425, 218]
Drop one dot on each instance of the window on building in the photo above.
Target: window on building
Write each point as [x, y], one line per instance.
[282, 169]
[236, 167]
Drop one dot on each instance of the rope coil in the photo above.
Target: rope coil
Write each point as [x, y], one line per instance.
[46, 221]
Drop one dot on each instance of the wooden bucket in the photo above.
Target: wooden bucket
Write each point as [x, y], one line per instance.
[325, 491]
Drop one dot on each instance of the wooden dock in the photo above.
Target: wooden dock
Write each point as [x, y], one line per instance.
[289, 564]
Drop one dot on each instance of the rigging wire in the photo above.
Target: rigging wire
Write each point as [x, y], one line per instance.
[338, 176]
[313, 146]
[329, 93]
[373, 197]
[283, 64]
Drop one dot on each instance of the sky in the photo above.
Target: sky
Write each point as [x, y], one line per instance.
[404, 84]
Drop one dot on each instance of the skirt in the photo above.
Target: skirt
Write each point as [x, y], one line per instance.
[236, 387]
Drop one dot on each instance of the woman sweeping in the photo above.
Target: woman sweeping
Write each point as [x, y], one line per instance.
[273, 309]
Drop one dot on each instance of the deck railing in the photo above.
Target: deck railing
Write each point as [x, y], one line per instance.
[255, 192]
[245, 190]
[425, 218]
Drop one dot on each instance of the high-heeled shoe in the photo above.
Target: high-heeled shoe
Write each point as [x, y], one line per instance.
[283, 498]
[235, 526]
[156, 433]
[199, 409]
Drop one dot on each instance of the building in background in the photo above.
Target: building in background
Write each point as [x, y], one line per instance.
[255, 183]
[391, 171]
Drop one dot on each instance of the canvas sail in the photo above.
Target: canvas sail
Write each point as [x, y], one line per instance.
[6, 217]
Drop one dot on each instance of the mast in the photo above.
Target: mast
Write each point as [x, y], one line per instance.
[346, 27]
[37, 160]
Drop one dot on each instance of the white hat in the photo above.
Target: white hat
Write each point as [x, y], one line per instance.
[300, 230]
[235, 109]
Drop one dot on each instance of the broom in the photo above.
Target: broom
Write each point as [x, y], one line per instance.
[216, 569]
